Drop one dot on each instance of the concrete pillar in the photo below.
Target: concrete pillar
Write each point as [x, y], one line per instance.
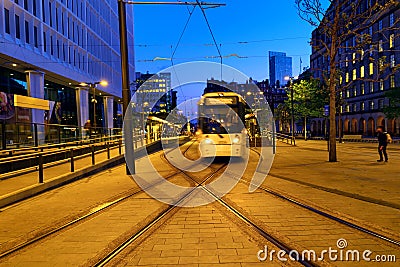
[35, 83]
[82, 105]
[108, 102]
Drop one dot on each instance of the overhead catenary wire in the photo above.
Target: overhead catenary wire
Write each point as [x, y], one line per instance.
[211, 32]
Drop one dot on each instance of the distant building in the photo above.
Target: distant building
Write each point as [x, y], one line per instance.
[275, 97]
[155, 88]
[280, 66]
[364, 81]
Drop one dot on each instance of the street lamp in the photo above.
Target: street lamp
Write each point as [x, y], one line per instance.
[94, 101]
[290, 79]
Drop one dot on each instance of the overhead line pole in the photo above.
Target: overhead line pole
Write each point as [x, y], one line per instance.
[126, 92]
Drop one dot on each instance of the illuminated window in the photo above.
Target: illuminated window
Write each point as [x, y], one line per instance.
[392, 61]
[362, 89]
[380, 47]
[354, 74]
[391, 41]
[347, 108]
[371, 87]
[354, 58]
[362, 106]
[347, 61]
[362, 71]
[355, 91]
[381, 85]
[347, 77]
[347, 93]
[392, 82]
[371, 105]
[371, 68]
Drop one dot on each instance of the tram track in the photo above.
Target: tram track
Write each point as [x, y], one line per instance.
[89, 214]
[240, 216]
[325, 214]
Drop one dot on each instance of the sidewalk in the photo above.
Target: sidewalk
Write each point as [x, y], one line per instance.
[357, 186]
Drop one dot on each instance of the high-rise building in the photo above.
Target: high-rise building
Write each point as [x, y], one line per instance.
[49, 47]
[154, 89]
[368, 69]
[280, 66]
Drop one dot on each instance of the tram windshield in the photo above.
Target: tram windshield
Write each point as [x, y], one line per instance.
[220, 120]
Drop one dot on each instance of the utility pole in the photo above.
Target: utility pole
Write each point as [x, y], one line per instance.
[126, 92]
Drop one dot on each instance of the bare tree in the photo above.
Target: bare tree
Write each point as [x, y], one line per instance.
[343, 36]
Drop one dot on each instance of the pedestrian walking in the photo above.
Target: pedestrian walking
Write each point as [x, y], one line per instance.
[383, 142]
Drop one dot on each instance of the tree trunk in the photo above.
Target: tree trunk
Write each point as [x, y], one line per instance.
[332, 86]
[305, 128]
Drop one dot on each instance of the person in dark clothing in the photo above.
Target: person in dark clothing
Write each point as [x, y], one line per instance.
[383, 141]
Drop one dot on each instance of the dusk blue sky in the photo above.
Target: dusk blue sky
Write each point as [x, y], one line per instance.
[272, 25]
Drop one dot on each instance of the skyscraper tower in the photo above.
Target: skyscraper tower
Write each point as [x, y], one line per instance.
[279, 66]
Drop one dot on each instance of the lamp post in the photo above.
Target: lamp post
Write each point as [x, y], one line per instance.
[94, 101]
[290, 79]
[126, 93]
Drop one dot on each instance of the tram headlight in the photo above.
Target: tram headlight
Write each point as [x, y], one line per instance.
[236, 140]
[208, 141]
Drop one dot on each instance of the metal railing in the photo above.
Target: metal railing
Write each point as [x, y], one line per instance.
[22, 135]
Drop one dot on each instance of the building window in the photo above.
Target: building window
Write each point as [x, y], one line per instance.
[51, 15]
[26, 5]
[354, 107]
[43, 12]
[347, 108]
[17, 27]
[391, 41]
[371, 68]
[57, 19]
[371, 105]
[35, 36]
[371, 32]
[355, 91]
[347, 77]
[371, 87]
[58, 48]
[34, 7]
[7, 20]
[381, 85]
[44, 42]
[362, 89]
[392, 82]
[27, 32]
[354, 74]
[354, 58]
[392, 61]
[391, 19]
[362, 106]
[380, 46]
[347, 61]
[380, 104]
[347, 93]
[51, 45]
[362, 71]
